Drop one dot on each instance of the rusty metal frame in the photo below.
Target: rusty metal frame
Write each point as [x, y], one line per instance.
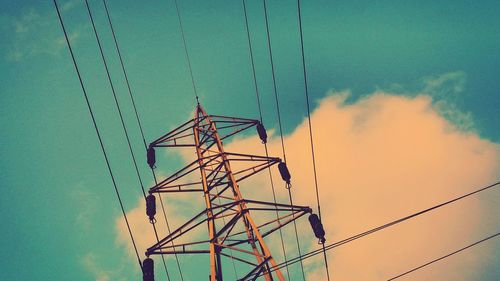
[218, 180]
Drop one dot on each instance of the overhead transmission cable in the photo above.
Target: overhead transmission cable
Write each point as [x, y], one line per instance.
[142, 134]
[186, 51]
[124, 72]
[98, 133]
[382, 227]
[257, 95]
[121, 117]
[306, 91]
[445, 256]
[288, 185]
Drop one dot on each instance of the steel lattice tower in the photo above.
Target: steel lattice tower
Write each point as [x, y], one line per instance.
[233, 232]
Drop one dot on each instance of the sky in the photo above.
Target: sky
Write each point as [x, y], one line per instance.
[404, 100]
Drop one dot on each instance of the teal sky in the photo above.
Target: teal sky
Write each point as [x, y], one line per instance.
[58, 209]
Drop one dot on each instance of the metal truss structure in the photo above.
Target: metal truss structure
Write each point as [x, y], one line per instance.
[233, 232]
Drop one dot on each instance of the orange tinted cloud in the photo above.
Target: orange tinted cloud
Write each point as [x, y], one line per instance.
[379, 159]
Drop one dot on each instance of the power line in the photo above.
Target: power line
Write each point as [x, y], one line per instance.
[140, 128]
[134, 106]
[120, 115]
[334, 245]
[274, 79]
[304, 70]
[124, 71]
[288, 185]
[250, 49]
[122, 121]
[186, 50]
[97, 132]
[445, 256]
[166, 222]
[262, 122]
[379, 228]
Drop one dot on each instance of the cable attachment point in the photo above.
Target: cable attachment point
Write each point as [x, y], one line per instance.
[285, 174]
[148, 270]
[151, 157]
[261, 130]
[151, 208]
[317, 227]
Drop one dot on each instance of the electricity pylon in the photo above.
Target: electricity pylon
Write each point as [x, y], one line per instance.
[232, 231]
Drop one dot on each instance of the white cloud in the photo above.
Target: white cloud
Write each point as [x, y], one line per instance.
[85, 202]
[68, 5]
[37, 33]
[447, 84]
[446, 91]
[90, 262]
